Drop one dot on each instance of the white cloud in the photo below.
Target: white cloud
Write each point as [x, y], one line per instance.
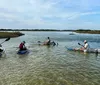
[49, 13]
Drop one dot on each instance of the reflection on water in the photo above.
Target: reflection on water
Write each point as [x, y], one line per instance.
[50, 65]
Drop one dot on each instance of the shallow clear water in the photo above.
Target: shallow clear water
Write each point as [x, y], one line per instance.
[50, 65]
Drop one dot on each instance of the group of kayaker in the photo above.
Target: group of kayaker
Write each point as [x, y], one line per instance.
[21, 46]
[49, 42]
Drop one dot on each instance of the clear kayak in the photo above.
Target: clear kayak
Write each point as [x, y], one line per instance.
[22, 52]
[1, 52]
[51, 44]
[90, 50]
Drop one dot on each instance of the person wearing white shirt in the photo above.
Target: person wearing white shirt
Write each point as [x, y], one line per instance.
[86, 46]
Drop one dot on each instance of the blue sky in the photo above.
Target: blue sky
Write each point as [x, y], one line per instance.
[53, 14]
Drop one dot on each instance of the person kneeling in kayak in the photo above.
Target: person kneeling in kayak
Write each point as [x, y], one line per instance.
[22, 46]
[86, 46]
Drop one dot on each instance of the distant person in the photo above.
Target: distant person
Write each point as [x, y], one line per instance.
[86, 46]
[22, 46]
[48, 41]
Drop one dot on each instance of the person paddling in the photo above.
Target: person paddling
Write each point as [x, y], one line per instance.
[86, 46]
[22, 46]
[47, 42]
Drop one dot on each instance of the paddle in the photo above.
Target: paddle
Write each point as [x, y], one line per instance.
[5, 40]
[81, 44]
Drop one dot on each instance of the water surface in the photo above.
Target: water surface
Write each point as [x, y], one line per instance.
[50, 65]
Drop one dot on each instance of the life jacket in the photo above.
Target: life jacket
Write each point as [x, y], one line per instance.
[21, 45]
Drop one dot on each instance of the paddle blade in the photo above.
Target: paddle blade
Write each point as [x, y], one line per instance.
[7, 39]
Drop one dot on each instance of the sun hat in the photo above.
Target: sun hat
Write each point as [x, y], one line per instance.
[85, 41]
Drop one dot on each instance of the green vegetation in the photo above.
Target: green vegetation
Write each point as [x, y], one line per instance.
[88, 31]
[15, 34]
[33, 30]
[10, 34]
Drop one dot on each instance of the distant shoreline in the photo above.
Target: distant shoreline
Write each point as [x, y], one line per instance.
[32, 30]
[10, 34]
[88, 31]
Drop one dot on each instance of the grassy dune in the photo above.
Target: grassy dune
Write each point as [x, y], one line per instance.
[10, 34]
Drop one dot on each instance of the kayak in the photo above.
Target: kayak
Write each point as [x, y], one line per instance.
[23, 52]
[71, 34]
[51, 44]
[90, 50]
[74, 49]
[1, 53]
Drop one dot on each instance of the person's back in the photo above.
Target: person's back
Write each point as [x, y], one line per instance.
[22, 46]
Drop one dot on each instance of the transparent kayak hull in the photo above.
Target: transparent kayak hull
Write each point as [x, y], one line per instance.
[23, 52]
[91, 50]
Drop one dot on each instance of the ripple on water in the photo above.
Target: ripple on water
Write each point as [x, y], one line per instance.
[50, 65]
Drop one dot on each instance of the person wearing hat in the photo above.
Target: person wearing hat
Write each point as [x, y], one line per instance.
[86, 46]
[22, 46]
